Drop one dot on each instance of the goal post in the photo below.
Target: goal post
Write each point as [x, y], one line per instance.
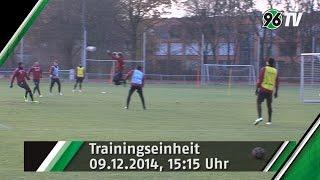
[220, 74]
[310, 78]
[106, 68]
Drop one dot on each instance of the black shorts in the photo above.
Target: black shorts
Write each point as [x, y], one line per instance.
[117, 76]
[24, 85]
[36, 81]
[55, 80]
[135, 87]
[80, 79]
[264, 95]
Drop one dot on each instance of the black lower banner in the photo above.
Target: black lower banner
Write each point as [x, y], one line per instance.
[159, 156]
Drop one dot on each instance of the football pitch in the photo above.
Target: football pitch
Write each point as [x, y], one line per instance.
[174, 112]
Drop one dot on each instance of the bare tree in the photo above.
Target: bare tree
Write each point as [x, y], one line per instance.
[218, 19]
[136, 16]
[310, 28]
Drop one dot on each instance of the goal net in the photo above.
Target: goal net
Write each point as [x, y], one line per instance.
[219, 74]
[310, 78]
[103, 69]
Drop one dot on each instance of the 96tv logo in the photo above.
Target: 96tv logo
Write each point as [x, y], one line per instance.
[272, 19]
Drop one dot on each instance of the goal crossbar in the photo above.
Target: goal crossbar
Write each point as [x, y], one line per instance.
[310, 54]
[230, 65]
[110, 60]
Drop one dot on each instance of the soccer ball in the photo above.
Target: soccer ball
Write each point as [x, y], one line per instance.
[91, 48]
[258, 153]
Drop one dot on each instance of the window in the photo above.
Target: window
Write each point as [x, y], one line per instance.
[176, 49]
[223, 49]
[208, 49]
[175, 32]
[162, 32]
[288, 49]
[317, 48]
[192, 49]
[162, 49]
[273, 50]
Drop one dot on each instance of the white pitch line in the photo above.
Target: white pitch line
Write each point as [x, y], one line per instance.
[2, 126]
[130, 130]
[149, 130]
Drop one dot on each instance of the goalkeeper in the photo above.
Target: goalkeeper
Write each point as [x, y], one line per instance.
[119, 58]
[268, 82]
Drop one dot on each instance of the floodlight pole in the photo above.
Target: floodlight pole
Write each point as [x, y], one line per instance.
[22, 50]
[202, 60]
[258, 56]
[84, 38]
[144, 39]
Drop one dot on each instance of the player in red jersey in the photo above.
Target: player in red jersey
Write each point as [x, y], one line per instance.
[36, 73]
[20, 74]
[119, 58]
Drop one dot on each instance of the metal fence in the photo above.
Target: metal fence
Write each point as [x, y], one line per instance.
[68, 76]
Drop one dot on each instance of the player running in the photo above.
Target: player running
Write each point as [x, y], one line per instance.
[36, 73]
[21, 75]
[54, 76]
[137, 83]
[80, 74]
[268, 81]
[118, 77]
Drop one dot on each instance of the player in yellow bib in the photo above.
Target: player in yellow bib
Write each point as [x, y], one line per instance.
[80, 75]
[267, 83]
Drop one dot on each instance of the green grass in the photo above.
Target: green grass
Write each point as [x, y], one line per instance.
[175, 112]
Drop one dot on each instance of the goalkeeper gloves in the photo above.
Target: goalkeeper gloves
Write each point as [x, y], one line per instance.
[257, 91]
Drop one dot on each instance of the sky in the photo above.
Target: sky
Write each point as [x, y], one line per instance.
[179, 12]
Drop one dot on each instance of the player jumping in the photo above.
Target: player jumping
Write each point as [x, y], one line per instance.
[268, 81]
[21, 75]
[80, 74]
[137, 83]
[54, 76]
[118, 77]
[36, 73]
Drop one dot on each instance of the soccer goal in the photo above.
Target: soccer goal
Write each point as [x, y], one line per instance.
[104, 69]
[310, 78]
[220, 74]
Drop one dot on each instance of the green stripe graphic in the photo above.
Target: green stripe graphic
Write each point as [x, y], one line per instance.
[283, 156]
[307, 163]
[24, 27]
[68, 154]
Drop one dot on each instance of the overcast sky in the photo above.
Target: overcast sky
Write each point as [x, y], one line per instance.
[179, 12]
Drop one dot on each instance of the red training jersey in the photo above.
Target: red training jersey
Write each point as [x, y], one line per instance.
[20, 74]
[36, 72]
[120, 62]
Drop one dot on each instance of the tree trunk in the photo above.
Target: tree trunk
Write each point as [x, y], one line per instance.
[133, 45]
[262, 40]
[270, 44]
